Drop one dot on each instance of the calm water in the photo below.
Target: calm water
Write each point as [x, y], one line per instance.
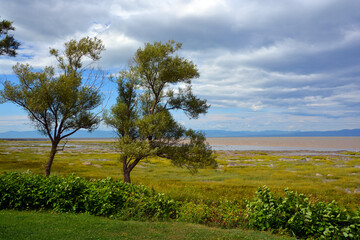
[286, 143]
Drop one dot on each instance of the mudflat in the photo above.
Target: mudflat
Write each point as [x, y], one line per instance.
[306, 142]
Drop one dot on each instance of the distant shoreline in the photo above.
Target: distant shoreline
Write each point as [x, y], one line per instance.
[105, 134]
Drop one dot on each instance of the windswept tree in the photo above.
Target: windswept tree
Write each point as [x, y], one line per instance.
[142, 115]
[60, 104]
[8, 45]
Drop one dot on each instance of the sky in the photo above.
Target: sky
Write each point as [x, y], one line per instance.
[291, 65]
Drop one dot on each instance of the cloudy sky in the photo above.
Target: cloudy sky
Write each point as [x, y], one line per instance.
[264, 65]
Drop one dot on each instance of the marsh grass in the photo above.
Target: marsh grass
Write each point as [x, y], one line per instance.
[322, 177]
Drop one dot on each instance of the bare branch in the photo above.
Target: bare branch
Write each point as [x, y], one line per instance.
[63, 147]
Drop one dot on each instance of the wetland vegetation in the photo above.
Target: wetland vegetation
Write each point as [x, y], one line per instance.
[327, 176]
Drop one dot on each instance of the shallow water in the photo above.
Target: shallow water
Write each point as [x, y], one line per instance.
[286, 143]
[269, 148]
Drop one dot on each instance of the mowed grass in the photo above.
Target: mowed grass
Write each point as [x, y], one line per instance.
[45, 225]
[322, 177]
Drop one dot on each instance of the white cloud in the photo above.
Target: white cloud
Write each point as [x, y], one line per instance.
[119, 49]
[14, 123]
[199, 8]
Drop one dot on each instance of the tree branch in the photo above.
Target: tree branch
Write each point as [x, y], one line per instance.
[136, 161]
[63, 147]
[70, 133]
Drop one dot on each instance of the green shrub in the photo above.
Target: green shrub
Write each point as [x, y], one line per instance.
[297, 215]
[105, 197]
[149, 204]
[228, 215]
[225, 214]
[194, 213]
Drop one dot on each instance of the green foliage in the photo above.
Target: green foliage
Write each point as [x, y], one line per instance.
[225, 214]
[156, 65]
[8, 45]
[75, 51]
[295, 214]
[104, 197]
[193, 154]
[157, 69]
[124, 114]
[142, 116]
[194, 212]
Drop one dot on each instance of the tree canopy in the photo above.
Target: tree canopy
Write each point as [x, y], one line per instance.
[8, 45]
[59, 104]
[142, 115]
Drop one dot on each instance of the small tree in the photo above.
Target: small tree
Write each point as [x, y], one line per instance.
[142, 114]
[8, 44]
[59, 105]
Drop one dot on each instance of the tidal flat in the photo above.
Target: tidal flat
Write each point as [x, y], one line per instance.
[326, 175]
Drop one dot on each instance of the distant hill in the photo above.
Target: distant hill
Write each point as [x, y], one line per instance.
[209, 133]
[79, 134]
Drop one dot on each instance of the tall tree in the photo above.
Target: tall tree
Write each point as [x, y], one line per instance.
[60, 104]
[8, 45]
[142, 115]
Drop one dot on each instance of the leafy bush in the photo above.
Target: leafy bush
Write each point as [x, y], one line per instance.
[105, 197]
[224, 214]
[228, 215]
[297, 215]
[194, 213]
[147, 204]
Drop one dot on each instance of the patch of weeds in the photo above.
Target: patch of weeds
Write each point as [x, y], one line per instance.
[351, 153]
[257, 153]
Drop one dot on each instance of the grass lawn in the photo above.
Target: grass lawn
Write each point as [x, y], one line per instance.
[45, 225]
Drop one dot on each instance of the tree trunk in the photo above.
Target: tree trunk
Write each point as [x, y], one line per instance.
[127, 176]
[51, 158]
[126, 170]
[127, 167]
